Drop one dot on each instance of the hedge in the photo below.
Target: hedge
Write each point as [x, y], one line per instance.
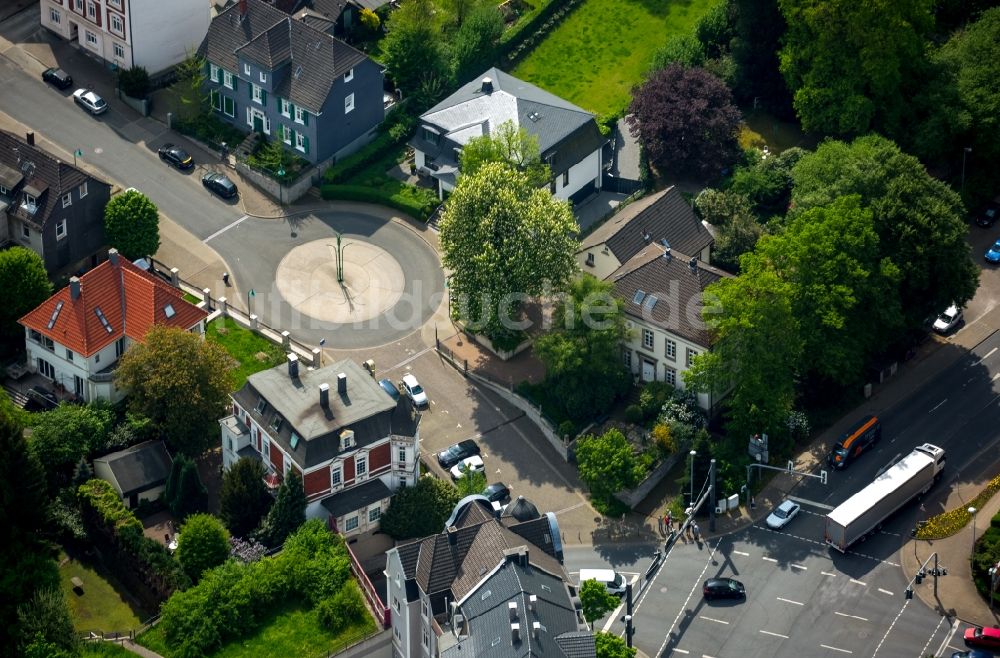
[104, 500]
[948, 523]
[406, 199]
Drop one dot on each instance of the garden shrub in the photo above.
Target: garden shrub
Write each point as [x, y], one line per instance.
[652, 397]
[633, 414]
[102, 498]
[682, 407]
[416, 202]
[344, 608]
[663, 437]
[134, 82]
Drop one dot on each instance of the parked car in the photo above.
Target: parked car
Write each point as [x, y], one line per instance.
[473, 464]
[414, 391]
[613, 581]
[221, 185]
[975, 653]
[90, 101]
[40, 399]
[389, 388]
[983, 638]
[497, 492]
[782, 514]
[176, 156]
[863, 435]
[988, 216]
[58, 78]
[456, 453]
[948, 320]
[993, 253]
[723, 588]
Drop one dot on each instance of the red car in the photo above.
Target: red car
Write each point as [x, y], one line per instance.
[983, 638]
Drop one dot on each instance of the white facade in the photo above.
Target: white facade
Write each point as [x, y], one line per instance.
[654, 354]
[74, 372]
[408, 626]
[155, 34]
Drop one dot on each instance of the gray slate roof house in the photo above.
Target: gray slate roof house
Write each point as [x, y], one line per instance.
[457, 593]
[137, 473]
[337, 17]
[568, 136]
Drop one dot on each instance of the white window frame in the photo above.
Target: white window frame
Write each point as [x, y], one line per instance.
[423, 607]
[257, 93]
[79, 6]
[336, 476]
[69, 355]
[670, 349]
[67, 199]
[299, 115]
[232, 107]
[60, 229]
[30, 201]
[627, 358]
[648, 339]
[401, 454]
[90, 37]
[285, 107]
[300, 143]
[115, 3]
[360, 467]
[250, 117]
[246, 69]
[286, 134]
[117, 24]
[348, 523]
[54, 16]
[119, 50]
[213, 72]
[670, 375]
[91, 10]
[263, 76]
[374, 514]
[4, 191]
[690, 355]
[25, 232]
[227, 79]
[349, 75]
[348, 103]
[83, 189]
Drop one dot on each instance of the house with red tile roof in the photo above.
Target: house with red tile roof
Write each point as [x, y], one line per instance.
[76, 336]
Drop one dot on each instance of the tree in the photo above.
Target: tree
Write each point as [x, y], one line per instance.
[510, 145]
[686, 121]
[850, 65]
[473, 45]
[45, 621]
[470, 483]
[61, 437]
[181, 382]
[736, 237]
[244, 500]
[419, 510]
[766, 181]
[684, 49]
[504, 240]
[413, 48]
[190, 95]
[134, 82]
[596, 600]
[758, 28]
[132, 224]
[24, 284]
[187, 494]
[611, 646]
[582, 356]
[288, 512]
[607, 463]
[203, 543]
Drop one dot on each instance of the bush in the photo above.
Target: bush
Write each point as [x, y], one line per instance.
[682, 407]
[101, 497]
[663, 437]
[134, 82]
[416, 202]
[344, 608]
[394, 130]
[567, 428]
[652, 398]
[633, 414]
[211, 130]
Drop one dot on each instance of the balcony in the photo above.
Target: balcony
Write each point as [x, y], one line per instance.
[104, 376]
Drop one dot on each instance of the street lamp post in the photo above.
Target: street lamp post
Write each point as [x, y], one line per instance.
[691, 498]
[281, 175]
[972, 511]
[250, 295]
[966, 151]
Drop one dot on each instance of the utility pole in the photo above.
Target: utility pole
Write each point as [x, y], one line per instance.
[629, 628]
[712, 500]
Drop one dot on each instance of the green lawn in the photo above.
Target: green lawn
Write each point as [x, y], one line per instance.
[188, 297]
[603, 49]
[104, 650]
[252, 352]
[293, 631]
[100, 607]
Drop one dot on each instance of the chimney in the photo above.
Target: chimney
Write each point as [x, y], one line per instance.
[452, 535]
[693, 264]
[646, 237]
[515, 633]
[113, 256]
[532, 602]
[243, 8]
[342, 383]
[30, 138]
[74, 288]
[487, 85]
[293, 366]
[324, 395]
[536, 628]
[512, 609]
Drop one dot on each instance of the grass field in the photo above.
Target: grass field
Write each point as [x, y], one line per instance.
[596, 56]
[104, 650]
[253, 352]
[100, 607]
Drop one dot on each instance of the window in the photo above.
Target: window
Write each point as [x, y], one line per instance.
[395, 603]
[79, 5]
[286, 135]
[83, 189]
[361, 465]
[590, 260]
[30, 201]
[426, 643]
[115, 3]
[257, 93]
[351, 523]
[690, 356]
[423, 607]
[402, 455]
[431, 136]
[78, 386]
[119, 347]
[627, 358]
[25, 232]
[263, 76]
[335, 477]
[284, 107]
[91, 11]
[374, 514]
[91, 38]
[67, 199]
[552, 186]
[647, 339]
[213, 72]
[671, 349]
[566, 178]
[227, 79]
[216, 100]
[119, 51]
[349, 76]
[61, 229]
[4, 191]
[246, 69]
[45, 369]
[348, 103]
[54, 16]
[300, 115]
[228, 107]
[670, 375]
[302, 142]
[69, 354]
[117, 25]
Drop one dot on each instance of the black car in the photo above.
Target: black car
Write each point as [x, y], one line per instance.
[989, 215]
[456, 453]
[497, 492]
[389, 388]
[176, 156]
[975, 653]
[58, 78]
[40, 399]
[220, 184]
[724, 588]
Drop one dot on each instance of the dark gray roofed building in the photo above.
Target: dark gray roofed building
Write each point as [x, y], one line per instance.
[338, 17]
[137, 473]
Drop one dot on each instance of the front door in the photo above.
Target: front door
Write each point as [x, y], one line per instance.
[258, 122]
[648, 371]
[74, 31]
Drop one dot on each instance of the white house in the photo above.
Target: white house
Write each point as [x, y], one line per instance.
[569, 139]
[76, 336]
[138, 473]
[155, 34]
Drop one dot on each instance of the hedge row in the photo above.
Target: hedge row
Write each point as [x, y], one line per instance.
[407, 200]
[105, 502]
[396, 128]
[948, 523]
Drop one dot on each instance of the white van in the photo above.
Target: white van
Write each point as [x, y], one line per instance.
[611, 579]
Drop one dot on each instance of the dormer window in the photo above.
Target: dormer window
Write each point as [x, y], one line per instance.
[246, 69]
[349, 75]
[30, 203]
[431, 136]
[276, 423]
[261, 406]
[4, 191]
[263, 76]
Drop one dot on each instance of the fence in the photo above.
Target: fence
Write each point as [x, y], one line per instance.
[382, 612]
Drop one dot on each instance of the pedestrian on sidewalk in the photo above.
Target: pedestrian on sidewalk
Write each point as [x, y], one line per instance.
[694, 529]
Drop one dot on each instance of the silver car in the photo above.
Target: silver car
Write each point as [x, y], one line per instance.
[782, 514]
[90, 101]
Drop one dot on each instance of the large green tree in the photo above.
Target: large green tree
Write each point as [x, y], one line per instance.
[470, 483]
[203, 543]
[851, 64]
[582, 355]
[473, 44]
[288, 512]
[419, 510]
[45, 626]
[507, 144]
[190, 96]
[244, 500]
[60, 438]
[607, 463]
[186, 494]
[181, 382]
[609, 645]
[24, 284]
[413, 49]
[504, 240]
[596, 600]
[132, 224]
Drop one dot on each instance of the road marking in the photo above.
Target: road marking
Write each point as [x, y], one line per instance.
[924, 652]
[827, 646]
[823, 544]
[858, 582]
[798, 566]
[885, 591]
[705, 655]
[685, 652]
[785, 637]
[742, 553]
[827, 573]
[841, 614]
[570, 508]
[769, 559]
[906, 602]
[226, 228]
[995, 377]
[947, 639]
[937, 405]
[404, 362]
[985, 356]
[803, 501]
[790, 601]
[717, 621]
[683, 609]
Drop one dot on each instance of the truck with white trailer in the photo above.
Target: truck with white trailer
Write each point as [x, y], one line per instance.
[864, 512]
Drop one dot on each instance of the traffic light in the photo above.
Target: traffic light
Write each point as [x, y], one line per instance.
[909, 593]
[919, 578]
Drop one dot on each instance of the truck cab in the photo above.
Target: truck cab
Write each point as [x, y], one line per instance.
[861, 437]
[935, 453]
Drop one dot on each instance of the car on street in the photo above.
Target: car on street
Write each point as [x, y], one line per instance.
[983, 638]
[176, 156]
[58, 78]
[497, 492]
[389, 388]
[975, 653]
[414, 391]
[221, 185]
[473, 464]
[988, 216]
[948, 320]
[90, 101]
[723, 588]
[993, 253]
[782, 514]
[457, 452]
